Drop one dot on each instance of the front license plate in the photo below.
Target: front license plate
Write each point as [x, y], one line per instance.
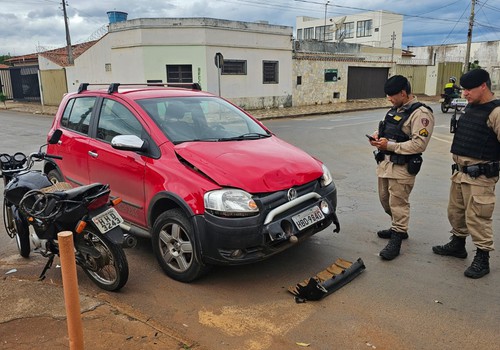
[107, 220]
[308, 217]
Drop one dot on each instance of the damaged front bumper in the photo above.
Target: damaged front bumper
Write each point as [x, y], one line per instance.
[327, 281]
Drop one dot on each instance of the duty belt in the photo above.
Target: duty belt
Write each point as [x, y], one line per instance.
[487, 169]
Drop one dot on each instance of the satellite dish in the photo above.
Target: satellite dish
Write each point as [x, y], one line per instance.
[339, 23]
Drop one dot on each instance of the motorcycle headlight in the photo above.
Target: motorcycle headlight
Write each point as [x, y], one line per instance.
[230, 202]
[326, 178]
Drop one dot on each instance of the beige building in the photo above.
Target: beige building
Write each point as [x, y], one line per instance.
[257, 58]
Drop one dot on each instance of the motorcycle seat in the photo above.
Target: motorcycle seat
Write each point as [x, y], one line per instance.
[78, 192]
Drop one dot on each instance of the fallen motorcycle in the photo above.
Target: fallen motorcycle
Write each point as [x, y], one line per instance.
[31, 200]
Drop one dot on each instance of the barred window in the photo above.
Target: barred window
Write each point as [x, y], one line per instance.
[234, 67]
[179, 73]
[270, 72]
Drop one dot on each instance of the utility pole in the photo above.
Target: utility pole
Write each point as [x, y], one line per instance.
[68, 39]
[324, 31]
[393, 38]
[469, 37]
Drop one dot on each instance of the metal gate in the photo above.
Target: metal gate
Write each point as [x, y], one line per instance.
[53, 83]
[417, 76]
[5, 83]
[366, 82]
[25, 83]
[447, 70]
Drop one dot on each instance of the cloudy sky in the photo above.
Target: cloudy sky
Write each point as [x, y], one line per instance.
[28, 26]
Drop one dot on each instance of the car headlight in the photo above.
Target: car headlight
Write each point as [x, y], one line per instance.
[326, 178]
[230, 202]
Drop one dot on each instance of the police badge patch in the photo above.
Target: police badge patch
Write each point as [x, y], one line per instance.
[423, 132]
[425, 122]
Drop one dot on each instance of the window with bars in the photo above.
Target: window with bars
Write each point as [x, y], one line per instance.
[234, 67]
[364, 28]
[270, 72]
[179, 73]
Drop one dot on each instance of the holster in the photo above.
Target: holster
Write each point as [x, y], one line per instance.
[415, 163]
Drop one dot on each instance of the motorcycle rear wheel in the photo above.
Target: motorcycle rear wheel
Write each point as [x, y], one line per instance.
[109, 271]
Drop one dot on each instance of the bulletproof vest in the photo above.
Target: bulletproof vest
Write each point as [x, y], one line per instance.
[391, 126]
[473, 138]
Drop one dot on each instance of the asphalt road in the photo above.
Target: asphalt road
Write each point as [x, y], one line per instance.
[417, 301]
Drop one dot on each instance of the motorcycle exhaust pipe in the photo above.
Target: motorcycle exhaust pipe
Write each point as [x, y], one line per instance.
[129, 241]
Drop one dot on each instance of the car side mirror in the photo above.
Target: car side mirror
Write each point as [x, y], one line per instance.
[55, 137]
[128, 143]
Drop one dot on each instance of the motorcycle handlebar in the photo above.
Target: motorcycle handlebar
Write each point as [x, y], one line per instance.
[52, 156]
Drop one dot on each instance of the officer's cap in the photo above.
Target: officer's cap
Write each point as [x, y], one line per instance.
[474, 78]
[396, 84]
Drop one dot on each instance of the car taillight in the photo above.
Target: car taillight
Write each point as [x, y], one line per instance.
[98, 202]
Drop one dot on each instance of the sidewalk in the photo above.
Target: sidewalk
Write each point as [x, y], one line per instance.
[262, 114]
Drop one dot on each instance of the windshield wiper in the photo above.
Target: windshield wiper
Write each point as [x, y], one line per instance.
[247, 136]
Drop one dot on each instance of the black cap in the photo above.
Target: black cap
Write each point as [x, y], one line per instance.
[396, 84]
[474, 78]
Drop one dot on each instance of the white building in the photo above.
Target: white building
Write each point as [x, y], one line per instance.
[257, 58]
[374, 28]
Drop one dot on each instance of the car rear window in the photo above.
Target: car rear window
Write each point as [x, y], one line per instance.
[77, 114]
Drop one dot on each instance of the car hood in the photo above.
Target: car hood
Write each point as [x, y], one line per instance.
[263, 165]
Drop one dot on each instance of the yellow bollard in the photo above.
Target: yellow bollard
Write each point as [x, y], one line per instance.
[70, 285]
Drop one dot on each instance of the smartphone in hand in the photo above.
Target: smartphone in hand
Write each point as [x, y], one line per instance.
[371, 138]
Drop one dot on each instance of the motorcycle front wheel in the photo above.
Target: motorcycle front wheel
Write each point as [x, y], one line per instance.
[16, 230]
[103, 261]
[444, 107]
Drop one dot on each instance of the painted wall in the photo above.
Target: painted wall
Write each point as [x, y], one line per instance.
[384, 24]
[139, 50]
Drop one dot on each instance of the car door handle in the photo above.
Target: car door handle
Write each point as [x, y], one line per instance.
[93, 154]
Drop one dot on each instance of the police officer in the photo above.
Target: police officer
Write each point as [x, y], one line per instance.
[476, 152]
[451, 88]
[400, 140]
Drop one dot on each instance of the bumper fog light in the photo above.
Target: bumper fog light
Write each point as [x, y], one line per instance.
[238, 253]
[324, 207]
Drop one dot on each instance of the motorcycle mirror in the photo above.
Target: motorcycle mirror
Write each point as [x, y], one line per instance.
[55, 137]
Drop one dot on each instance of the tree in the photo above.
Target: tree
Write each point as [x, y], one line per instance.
[3, 98]
[3, 58]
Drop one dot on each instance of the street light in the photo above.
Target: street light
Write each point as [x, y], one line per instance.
[324, 29]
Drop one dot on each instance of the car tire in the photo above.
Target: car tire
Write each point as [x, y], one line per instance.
[175, 247]
[55, 176]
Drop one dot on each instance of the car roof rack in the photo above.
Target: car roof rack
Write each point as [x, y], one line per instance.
[113, 87]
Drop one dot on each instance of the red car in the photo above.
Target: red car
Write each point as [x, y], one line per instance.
[205, 180]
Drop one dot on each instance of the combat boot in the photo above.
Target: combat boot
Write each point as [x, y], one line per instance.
[387, 234]
[392, 248]
[480, 265]
[455, 247]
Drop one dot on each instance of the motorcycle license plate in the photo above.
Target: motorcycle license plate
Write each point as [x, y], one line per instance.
[308, 217]
[107, 220]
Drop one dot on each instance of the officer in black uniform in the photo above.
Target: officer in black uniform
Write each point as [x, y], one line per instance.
[476, 155]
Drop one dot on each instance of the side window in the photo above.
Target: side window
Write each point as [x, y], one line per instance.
[115, 119]
[77, 114]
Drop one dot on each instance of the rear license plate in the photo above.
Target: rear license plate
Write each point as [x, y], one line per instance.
[308, 217]
[107, 220]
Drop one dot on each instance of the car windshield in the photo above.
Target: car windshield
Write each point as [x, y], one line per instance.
[184, 119]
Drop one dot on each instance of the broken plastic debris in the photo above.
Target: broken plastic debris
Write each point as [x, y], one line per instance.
[11, 271]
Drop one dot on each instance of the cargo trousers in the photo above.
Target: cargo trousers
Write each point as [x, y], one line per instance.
[394, 195]
[470, 210]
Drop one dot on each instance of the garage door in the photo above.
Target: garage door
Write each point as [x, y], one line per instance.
[366, 82]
